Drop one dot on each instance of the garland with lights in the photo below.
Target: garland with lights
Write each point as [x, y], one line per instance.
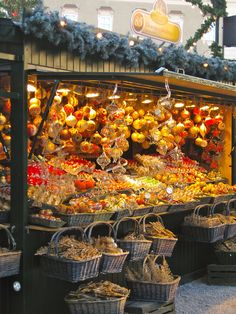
[217, 10]
[82, 40]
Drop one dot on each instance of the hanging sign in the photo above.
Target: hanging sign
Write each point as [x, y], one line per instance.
[156, 23]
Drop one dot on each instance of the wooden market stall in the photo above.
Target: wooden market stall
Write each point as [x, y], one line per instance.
[22, 58]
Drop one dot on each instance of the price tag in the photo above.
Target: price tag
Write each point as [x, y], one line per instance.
[169, 190]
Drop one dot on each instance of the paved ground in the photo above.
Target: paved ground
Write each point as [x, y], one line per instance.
[199, 298]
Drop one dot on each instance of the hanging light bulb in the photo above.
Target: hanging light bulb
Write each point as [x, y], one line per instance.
[147, 99]
[131, 97]
[31, 88]
[179, 105]
[92, 93]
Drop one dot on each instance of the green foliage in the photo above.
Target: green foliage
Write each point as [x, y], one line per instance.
[214, 11]
[81, 39]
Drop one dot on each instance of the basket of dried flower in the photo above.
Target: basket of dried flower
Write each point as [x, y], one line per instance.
[68, 258]
[163, 240]
[113, 257]
[135, 242]
[152, 281]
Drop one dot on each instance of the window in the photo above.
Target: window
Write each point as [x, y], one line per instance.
[71, 12]
[178, 18]
[105, 18]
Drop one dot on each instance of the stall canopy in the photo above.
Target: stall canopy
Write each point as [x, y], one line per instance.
[180, 84]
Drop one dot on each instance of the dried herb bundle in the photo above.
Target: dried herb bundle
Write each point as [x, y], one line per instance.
[156, 229]
[202, 221]
[227, 246]
[134, 236]
[99, 290]
[151, 271]
[70, 248]
[107, 245]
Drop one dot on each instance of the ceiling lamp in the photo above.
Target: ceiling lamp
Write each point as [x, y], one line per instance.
[147, 100]
[113, 97]
[92, 93]
[131, 97]
[63, 90]
[204, 108]
[215, 108]
[31, 88]
[179, 105]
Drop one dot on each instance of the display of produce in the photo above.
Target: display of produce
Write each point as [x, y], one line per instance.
[156, 229]
[107, 245]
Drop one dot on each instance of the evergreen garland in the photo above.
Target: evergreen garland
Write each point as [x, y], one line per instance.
[81, 39]
[217, 10]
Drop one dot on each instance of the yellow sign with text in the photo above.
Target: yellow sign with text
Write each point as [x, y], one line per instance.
[156, 23]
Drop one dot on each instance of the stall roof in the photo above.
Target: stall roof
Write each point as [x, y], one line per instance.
[180, 84]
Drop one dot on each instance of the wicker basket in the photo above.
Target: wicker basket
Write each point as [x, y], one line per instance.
[46, 222]
[9, 261]
[120, 214]
[160, 246]
[4, 216]
[110, 306]
[176, 208]
[141, 211]
[204, 234]
[84, 218]
[230, 229]
[222, 198]
[152, 291]
[110, 263]
[160, 208]
[206, 200]
[138, 249]
[69, 270]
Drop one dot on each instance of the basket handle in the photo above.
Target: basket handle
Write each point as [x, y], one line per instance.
[136, 224]
[197, 208]
[143, 220]
[88, 230]
[215, 205]
[11, 241]
[56, 236]
[228, 206]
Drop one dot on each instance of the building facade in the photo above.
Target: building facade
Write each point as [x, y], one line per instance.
[115, 15]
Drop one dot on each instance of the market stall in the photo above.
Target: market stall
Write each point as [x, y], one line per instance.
[101, 142]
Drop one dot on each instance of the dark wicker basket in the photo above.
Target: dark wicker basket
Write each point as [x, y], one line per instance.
[160, 208]
[153, 291]
[206, 200]
[230, 229]
[222, 198]
[82, 219]
[4, 216]
[138, 249]
[9, 261]
[183, 206]
[110, 306]
[226, 258]
[120, 214]
[69, 270]
[46, 222]
[110, 263]
[160, 246]
[141, 211]
[204, 234]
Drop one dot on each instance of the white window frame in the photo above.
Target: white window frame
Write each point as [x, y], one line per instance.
[71, 12]
[105, 16]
